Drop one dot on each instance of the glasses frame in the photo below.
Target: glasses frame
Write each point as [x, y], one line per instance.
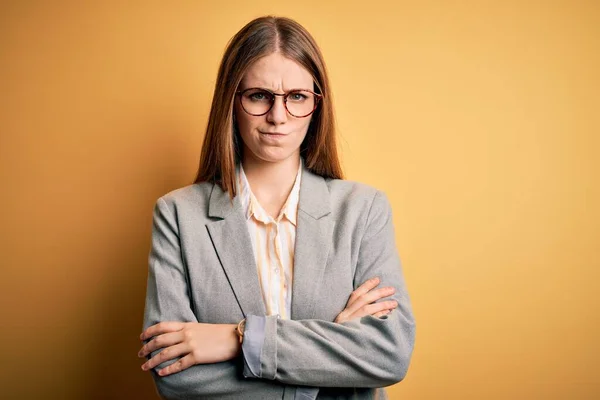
[285, 95]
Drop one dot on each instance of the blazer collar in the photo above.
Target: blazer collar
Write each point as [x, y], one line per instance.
[314, 197]
[233, 245]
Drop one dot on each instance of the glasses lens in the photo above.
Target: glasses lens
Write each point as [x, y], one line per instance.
[300, 103]
[256, 101]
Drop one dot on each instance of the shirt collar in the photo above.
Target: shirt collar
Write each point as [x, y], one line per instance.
[251, 206]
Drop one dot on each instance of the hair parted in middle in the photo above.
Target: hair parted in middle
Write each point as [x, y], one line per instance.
[222, 147]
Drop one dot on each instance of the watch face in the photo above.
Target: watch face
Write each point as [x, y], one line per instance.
[239, 330]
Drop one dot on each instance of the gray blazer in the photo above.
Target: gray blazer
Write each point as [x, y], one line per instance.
[202, 269]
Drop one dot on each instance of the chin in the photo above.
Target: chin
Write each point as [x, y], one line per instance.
[273, 156]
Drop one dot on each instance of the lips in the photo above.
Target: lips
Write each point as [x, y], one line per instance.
[273, 133]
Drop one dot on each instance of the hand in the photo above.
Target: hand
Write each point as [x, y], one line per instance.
[362, 302]
[195, 343]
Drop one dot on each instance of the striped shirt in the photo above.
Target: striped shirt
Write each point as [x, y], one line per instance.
[273, 242]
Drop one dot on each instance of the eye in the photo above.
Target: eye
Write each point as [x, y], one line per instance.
[297, 96]
[258, 95]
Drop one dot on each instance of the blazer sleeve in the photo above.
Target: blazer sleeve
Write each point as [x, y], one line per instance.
[365, 352]
[168, 299]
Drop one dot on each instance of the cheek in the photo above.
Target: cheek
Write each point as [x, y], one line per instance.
[245, 122]
[303, 127]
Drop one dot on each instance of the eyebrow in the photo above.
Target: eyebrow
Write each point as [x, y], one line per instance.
[272, 91]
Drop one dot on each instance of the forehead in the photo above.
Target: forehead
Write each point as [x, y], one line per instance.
[277, 72]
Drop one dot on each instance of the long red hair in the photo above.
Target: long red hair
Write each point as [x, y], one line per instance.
[222, 146]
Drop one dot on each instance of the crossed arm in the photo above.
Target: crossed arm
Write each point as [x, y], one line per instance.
[368, 345]
[199, 343]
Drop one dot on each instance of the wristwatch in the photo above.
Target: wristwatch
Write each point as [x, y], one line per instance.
[239, 330]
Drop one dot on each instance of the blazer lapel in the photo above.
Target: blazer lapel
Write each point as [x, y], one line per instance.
[313, 240]
[232, 243]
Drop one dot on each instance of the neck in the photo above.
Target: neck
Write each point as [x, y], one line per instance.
[271, 180]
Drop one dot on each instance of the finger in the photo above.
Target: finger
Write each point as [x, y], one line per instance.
[370, 297]
[356, 303]
[375, 309]
[381, 313]
[177, 366]
[362, 289]
[166, 354]
[162, 327]
[371, 309]
[161, 341]
[340, 318]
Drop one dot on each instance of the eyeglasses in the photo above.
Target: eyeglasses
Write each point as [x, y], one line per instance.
[299, 103]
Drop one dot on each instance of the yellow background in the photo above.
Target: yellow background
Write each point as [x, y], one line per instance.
[480, 120]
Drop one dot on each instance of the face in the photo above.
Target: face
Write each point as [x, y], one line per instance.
[279, 75]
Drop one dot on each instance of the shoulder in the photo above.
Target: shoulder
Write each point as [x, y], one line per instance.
[190, 193]
[188, 200]
[357, 197]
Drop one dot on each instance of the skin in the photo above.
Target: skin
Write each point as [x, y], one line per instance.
[271, 165]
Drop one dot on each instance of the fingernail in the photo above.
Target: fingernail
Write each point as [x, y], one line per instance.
[144, 367]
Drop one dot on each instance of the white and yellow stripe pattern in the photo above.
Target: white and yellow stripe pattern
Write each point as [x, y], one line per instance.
[273, 243]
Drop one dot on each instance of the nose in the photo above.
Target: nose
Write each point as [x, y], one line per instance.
[277, 114]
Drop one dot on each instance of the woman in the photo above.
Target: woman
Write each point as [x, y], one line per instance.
[272, 277]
